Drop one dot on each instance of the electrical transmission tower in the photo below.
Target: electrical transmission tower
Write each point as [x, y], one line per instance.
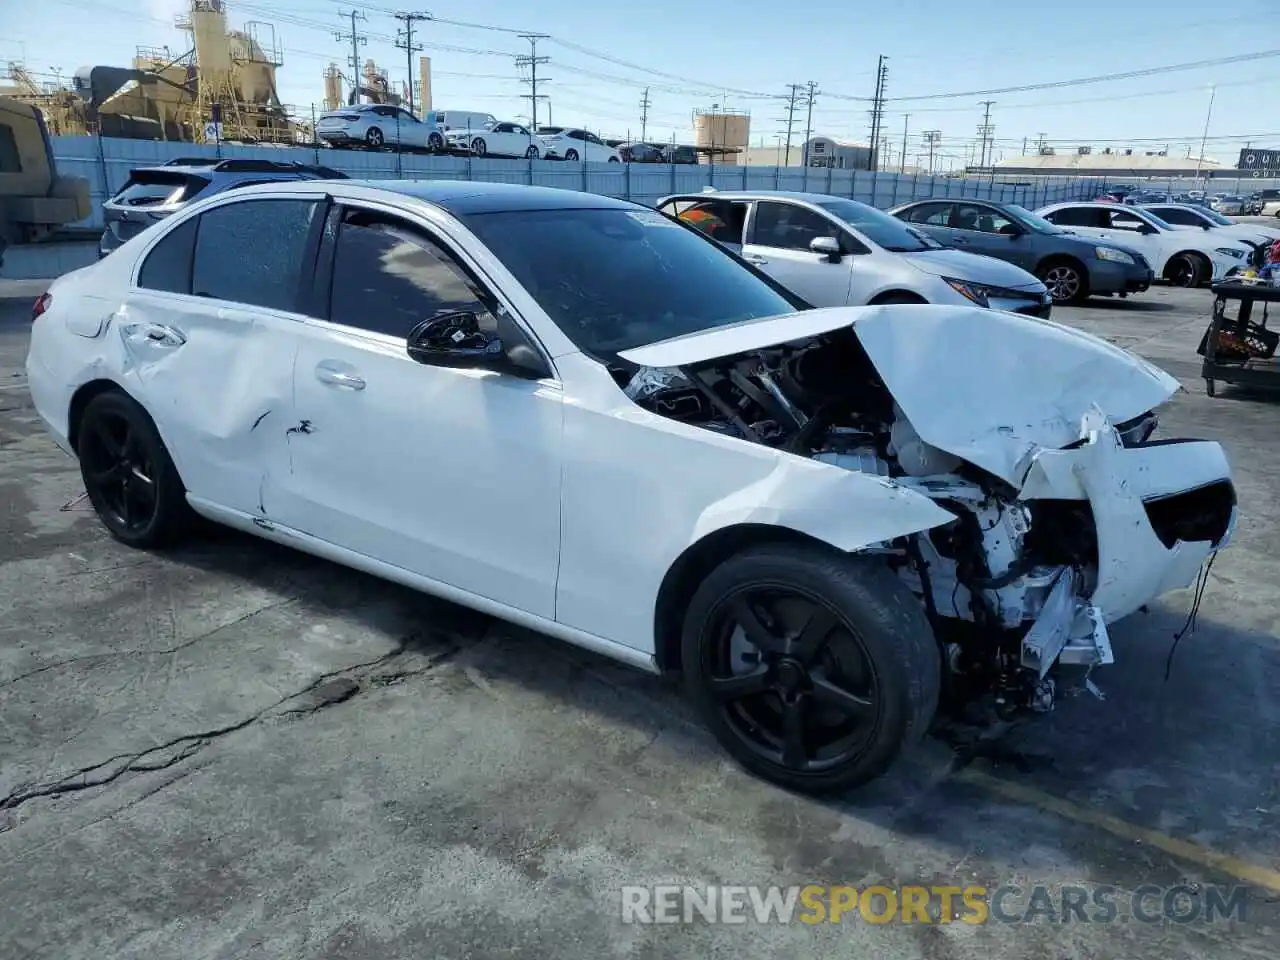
[404, 41]
[985, 131]
[645, 104]
[357, 40]
[533, 61]
[793, 100]
[811, 94]
[931, 139]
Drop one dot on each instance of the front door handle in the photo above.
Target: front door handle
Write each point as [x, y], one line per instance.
[155, 333]
[336, 377]
[754, 258]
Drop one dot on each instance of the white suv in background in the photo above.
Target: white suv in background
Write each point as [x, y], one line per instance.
[572, 144]
[1186, 258]
[834, 252]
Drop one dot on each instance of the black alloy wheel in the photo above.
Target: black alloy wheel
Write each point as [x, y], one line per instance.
[129, 477]
[1183, 271]
[812, 669]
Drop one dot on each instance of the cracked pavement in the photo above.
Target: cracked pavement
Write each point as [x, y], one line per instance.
[237, 751]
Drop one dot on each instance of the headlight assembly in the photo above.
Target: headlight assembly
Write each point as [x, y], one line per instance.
[1112, 254]
[976, 292]
[1229, 252]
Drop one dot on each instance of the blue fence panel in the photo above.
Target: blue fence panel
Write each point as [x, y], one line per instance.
[106, 163]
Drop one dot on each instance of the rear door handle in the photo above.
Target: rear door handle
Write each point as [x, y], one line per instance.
[753, 258]
[335, 376]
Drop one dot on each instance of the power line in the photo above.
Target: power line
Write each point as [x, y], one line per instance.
[532, 61]
[1101, 78]
[357, 39]
[404, 41]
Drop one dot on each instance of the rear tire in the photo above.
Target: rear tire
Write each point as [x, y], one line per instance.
[836, 672]
[131, 480]
[531, 153]
[435, 143]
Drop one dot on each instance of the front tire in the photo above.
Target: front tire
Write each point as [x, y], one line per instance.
[374, 139]
[812, 669]
[128, 474]
[614, 160]
[1186, 270]
[531, 153]
[1067, 282]
[571, 156]
[479, 147]
[435, 143]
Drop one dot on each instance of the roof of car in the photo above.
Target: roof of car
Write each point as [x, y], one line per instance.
[461, 197]
[763, 195]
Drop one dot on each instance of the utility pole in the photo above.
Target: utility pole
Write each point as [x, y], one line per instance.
[793, 94]
[1213, 91]
[931, 140]
[808, 120]
[404, 41]
[985, 130]
[877, 111]
[1040, 143]
[645, 104]
[902, 167]
[357, 40]
[533, 61]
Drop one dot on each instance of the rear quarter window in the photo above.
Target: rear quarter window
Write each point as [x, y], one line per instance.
[167, 267]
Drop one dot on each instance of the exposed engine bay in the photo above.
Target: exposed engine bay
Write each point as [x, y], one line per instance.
[1007, 585]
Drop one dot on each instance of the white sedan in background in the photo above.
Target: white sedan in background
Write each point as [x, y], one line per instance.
[572, 144]
[502, 139]
[576, 414]
[1186, 258]
[1187, 216]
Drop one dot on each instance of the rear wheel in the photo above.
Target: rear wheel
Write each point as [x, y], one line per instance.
[435, 143]
[813, 669]
[531, 153]
[128, 474]
[614, 160]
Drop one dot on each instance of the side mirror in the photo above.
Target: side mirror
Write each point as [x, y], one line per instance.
[826, 247]
[453, 340]
[1011, 230]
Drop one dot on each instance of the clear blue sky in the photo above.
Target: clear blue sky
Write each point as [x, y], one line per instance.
[757, 48]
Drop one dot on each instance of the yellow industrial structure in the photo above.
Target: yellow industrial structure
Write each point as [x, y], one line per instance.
[222, 88]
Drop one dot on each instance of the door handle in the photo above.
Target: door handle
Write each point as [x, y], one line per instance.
[155, 333]
[753, 258]
[960, 240]
[334, 377]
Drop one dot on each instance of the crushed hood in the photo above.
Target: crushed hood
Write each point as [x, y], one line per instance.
[990, 387]
[974, 267]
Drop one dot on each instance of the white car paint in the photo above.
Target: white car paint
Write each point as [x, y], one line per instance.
[1185, 216]
[503, 139]
[562, 503]
[378, 125]
[871, 271]
[575, 144]
[461, 121]
[1160, 244]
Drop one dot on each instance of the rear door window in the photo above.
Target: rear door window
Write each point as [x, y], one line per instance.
[154, 188]
[168, 265]
[254, 252]
[1078, 217]
[789, 227]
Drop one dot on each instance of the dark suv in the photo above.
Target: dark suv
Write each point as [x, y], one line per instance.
[152, 193]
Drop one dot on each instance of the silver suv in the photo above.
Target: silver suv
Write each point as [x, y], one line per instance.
[153, 193]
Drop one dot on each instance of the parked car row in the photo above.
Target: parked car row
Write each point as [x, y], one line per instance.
[586, 417]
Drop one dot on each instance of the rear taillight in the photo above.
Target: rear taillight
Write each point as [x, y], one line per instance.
[41, 306]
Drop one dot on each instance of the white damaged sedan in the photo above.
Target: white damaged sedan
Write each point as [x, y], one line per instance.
[576, 414]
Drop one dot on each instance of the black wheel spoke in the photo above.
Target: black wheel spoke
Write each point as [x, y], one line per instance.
[758, 635]
[795, 753]
[742, 685]
[812, 635]
[830, 694]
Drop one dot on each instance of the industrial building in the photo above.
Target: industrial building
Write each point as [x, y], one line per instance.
[1087, 162]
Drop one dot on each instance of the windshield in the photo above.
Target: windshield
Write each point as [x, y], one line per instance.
[1029, 219]
[880, 228]
[617, 279]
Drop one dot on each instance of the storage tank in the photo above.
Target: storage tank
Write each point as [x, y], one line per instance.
[332, 87]
[209, 29]
[721, 131]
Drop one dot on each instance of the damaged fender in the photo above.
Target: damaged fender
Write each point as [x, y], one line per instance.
[850, 511]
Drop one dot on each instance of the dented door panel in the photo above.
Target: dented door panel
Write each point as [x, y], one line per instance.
[212, 376]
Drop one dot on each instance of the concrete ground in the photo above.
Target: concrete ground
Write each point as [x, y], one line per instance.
[236, 751]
